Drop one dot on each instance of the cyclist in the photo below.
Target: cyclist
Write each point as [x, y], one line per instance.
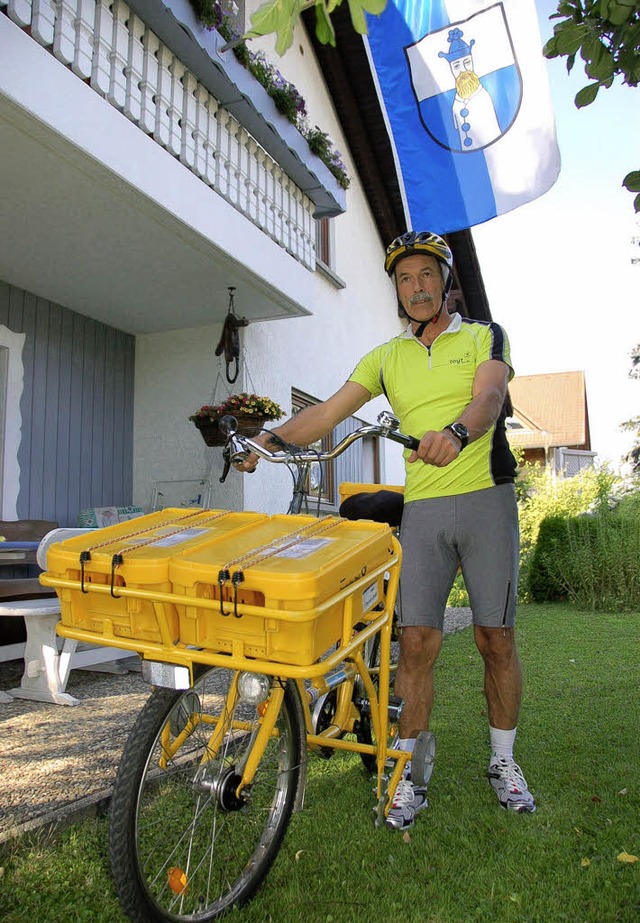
[446, 379]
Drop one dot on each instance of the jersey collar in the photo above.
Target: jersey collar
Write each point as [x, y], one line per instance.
[454, 325]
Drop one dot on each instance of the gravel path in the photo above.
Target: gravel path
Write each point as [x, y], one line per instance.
[59, 762]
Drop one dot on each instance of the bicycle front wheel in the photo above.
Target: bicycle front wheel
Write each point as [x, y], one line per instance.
[184, 844]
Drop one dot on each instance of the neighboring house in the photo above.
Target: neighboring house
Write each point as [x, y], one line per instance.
[550, 421]
[143, 173]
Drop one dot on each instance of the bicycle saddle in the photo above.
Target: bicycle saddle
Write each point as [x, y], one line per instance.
[379, 505]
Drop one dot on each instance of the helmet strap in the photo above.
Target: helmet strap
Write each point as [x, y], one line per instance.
[422, 325]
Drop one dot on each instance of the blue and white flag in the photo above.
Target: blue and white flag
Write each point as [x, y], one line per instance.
[464, 88]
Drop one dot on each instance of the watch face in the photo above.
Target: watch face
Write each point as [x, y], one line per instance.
[461, 431]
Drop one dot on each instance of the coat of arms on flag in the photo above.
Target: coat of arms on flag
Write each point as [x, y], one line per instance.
[466, 81]
[464, 90]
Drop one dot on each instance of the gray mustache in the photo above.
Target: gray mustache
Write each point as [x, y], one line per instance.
[420, 298]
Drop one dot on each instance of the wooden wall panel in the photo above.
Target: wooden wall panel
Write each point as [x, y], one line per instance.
[76, 449]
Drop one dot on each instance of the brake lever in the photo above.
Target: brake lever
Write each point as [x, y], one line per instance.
[226, 454]
[233, 456]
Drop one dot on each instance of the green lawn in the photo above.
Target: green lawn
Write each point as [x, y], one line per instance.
[466, 859]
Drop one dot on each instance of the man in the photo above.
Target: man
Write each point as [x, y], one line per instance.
[446, 379]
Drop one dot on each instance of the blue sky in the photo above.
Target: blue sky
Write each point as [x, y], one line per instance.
[558, 271]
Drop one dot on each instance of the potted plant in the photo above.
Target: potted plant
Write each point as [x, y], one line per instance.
[250, 410]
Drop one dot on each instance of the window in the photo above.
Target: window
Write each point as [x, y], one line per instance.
[360, 463]
[325, 251]
[321, 476]
[323, 242]
[4, 374]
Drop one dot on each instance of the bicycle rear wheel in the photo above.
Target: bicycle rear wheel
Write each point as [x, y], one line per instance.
[183, 845]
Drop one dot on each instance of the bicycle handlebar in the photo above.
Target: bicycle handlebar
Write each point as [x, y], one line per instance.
[239, 447]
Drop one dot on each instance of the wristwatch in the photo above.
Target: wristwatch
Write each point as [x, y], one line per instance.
[461, 431]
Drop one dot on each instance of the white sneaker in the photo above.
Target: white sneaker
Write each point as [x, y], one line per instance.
[407, 801]
[510, 785]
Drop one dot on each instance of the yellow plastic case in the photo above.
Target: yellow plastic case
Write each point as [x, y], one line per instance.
[298, 569]
[349, 488]
[146, 546]
[284, 588]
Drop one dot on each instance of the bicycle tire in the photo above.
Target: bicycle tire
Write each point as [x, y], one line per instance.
[182, 845]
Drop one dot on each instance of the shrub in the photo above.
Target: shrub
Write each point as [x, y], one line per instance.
[593, 560]
[458, 597]
[542, 584]
[544, 495]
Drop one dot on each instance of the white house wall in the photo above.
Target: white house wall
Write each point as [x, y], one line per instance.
[176, 372]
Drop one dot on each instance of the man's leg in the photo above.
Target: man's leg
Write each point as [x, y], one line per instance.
[419, 649]
[502, 676]
[429, 566]
[503, 691]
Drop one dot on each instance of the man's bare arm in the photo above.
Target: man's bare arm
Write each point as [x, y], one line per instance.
[489, 391]
[317, 421]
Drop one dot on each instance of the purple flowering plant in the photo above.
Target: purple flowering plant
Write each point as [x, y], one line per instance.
[288, 100]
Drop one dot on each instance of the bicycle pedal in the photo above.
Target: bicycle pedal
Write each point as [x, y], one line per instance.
[394, 710]
[396, 704]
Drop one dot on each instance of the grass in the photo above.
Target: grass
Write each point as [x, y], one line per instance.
[466, 859]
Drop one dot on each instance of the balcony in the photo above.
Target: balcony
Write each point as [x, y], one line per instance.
[143, 171]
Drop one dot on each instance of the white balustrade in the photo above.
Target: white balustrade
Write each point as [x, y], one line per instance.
[134, 69]
[150, 45]
[200, 130]
[20, 11]
[43, 21]
[103, 37]
[64, 32]
[119, 55]
[85, 15]
[104, 43]
[188, 120]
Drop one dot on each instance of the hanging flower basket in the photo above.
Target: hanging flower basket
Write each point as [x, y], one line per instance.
[250, 410]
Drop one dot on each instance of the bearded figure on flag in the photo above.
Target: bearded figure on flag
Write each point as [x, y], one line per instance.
[473, 112]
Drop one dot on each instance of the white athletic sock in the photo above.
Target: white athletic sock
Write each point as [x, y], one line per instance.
[502, 742]
[406, 743]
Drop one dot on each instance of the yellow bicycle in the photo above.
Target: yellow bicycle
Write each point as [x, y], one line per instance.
[248, 680]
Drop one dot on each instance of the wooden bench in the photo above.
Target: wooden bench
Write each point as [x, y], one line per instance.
[47, 659]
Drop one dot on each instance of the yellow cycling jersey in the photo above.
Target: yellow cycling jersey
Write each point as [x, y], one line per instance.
[428, 388]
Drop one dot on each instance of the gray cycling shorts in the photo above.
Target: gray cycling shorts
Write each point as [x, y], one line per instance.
[478, 531]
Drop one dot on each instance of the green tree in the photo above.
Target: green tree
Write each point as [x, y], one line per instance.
[606, 33]
[633, 425]
[281, 16]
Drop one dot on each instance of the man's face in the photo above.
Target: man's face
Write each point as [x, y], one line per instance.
[420, 286]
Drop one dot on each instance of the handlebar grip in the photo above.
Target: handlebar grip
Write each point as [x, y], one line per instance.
[410, 442]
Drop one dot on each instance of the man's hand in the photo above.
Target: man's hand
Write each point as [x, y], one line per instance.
[437, 448]
[251, 461]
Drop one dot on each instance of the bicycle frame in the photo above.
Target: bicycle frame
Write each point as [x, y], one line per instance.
[349, 651]
[220, 753]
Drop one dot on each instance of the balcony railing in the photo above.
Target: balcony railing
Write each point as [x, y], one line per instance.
[109, 47]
